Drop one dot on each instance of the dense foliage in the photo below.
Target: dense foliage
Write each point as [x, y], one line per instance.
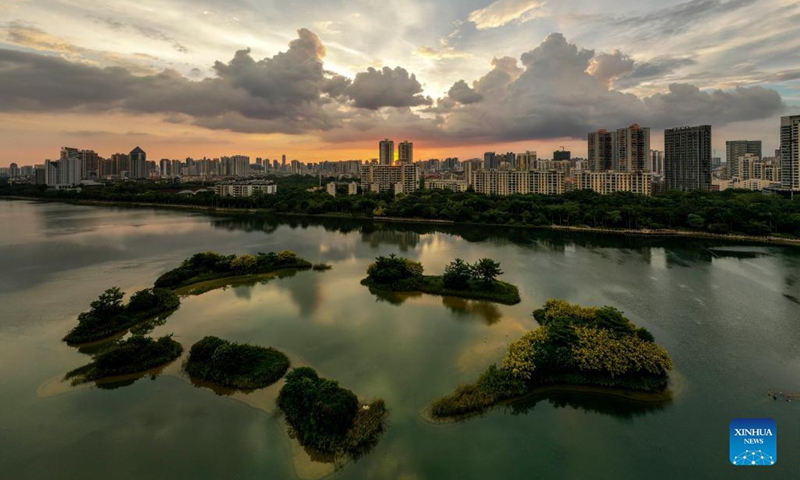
[460, 279]
[205, 266]
[327, 417]
[729, 211]
[134, 355]
[460, 275]
[235, 365]
[397, 272]
[108, 316]
[575, 345]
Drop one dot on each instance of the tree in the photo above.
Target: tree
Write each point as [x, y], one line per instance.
[457, 274]
[695, 221]
[109, 303]
[487, 270]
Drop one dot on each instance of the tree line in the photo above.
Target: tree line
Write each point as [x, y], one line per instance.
[726, 212]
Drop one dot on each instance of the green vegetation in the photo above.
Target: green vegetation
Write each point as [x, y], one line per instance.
[321, 267]
[135, 355]
[206, 266]
[234, 365]
[108, 316]
[460, 279]
[327, 417]
[576, 346]
[729, 211]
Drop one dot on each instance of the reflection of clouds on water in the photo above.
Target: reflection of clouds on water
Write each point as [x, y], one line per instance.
[463, 308]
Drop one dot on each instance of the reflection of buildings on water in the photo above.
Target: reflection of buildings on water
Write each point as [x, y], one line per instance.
[404, 240]
[247, 224]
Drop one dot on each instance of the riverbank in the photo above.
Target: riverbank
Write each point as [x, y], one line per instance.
[738, 238]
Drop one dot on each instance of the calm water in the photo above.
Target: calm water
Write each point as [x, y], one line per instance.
[729, 315]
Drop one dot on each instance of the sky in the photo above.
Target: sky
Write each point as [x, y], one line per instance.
[328, 79]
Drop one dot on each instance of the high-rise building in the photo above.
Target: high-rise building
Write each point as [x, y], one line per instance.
[386, 151]
[526, 161]
[138, 159]
[13, 170]
[790, 156]
[739, 148]
[63, 172]
[490, 160]
[687, 158]
[559, 155]
[400, 178]
[602, 146]
[657, 161]
[405, 152]
[632, 150]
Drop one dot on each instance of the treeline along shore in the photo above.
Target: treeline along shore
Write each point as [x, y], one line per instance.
[730, 215]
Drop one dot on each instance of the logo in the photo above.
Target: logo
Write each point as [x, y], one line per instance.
[754, 442]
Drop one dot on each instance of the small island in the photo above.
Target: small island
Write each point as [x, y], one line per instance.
[108, 316]
[328, 418]
[575, 346]
[460, 279]
[202, 267]
[235, 365]
[137, 354]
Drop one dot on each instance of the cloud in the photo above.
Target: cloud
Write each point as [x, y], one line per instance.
[554, 90]
[503, 12]
[143, 30]
[34, 38]
[445, 53]
[681, 17]
[555, 96]
[607, 67]
[461, 92]
[374, 89]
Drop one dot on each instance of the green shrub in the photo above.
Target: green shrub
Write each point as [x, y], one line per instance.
[235, 365]
[392, 269]
[457, 275]
[319, 411]
[134, 355]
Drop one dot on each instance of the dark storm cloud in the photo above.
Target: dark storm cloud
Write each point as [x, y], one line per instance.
[375, 89]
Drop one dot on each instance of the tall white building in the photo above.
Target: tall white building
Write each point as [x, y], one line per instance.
[401, 178]
[790, 156]
[605, 183]
[509, 182]
[64, 172]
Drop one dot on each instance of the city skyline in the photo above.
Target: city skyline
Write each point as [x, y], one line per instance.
[457, 80]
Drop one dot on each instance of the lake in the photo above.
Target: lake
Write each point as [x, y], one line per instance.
[729, 314]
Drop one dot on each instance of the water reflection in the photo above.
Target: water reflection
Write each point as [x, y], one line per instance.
[469, 309]
[393, 298]
[615, 406]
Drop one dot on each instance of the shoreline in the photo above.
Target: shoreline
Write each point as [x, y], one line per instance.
[737, 238]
